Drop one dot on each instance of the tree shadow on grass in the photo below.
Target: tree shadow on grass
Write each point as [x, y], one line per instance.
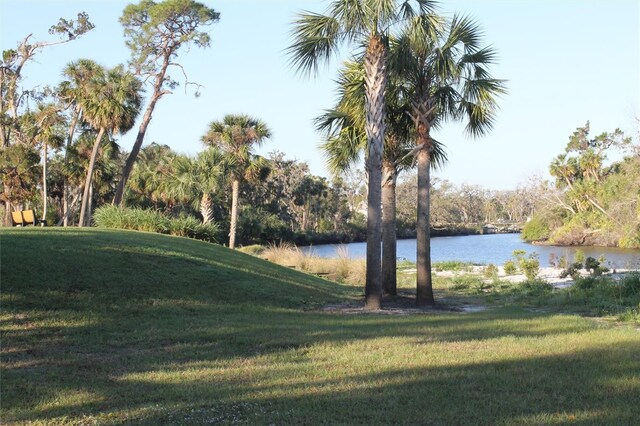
[588, 386]
[241, 362]
[216, 338]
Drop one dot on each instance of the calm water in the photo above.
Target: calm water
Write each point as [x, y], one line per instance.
[485, 249]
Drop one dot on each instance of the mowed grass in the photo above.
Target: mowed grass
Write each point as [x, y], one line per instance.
[108, 327]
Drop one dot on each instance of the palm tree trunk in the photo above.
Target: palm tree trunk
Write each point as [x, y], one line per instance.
[234, 212]
[205, 208]
[375, 84]
[424, 285]
[87, 183]
[66, 192]
[44, 180]
[389, 279]
[142, 130]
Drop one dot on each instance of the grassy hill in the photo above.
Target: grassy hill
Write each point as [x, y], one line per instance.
[115, 327]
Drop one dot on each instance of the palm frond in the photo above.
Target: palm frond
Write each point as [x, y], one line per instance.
[351, 15]
[344, 149]
[316, 38]
[438, 155]
[464, 30]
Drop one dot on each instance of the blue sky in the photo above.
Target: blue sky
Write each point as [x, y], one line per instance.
[566, 62]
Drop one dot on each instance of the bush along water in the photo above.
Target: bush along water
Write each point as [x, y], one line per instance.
[530, 265]
[137, 219]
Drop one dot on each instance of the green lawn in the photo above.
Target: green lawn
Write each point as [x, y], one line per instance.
[116, 327]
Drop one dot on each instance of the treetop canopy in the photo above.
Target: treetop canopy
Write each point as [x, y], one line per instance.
[154, 30]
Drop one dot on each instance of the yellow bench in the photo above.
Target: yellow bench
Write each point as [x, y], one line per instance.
[26, 217]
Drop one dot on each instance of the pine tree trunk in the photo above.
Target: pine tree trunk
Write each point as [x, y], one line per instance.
[118, 199]
[389, 279]
[87, 183]
[424, 285]
[66, 193]
[234, 212]
[375, 84]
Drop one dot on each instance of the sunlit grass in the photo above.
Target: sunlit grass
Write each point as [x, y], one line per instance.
[122, 327]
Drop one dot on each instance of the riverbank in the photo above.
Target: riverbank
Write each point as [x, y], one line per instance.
[550, 275]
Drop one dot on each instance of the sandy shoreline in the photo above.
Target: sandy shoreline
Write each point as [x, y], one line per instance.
[549, 274]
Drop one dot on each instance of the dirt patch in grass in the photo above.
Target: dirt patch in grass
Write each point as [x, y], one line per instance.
[403, 304]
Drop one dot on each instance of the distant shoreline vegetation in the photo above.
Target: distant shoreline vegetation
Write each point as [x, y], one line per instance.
[592, 202]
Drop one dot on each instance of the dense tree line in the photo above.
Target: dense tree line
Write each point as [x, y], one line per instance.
[594, 199]
[92, 103]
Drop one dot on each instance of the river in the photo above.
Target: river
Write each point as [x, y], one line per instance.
[485, 249]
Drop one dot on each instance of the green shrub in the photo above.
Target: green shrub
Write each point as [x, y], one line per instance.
[510, 267]
[572, 270]
[530, 266]
[519, 254]
[586, 283]
[593, 265]
[184, 226]
[537, 229]
[491, 271]
[452, 265]
[630, 285]
[563, 262]
[630, 315]
[579, 256]
[535, 287]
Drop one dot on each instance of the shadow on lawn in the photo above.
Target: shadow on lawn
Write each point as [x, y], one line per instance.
[198, 343]
[182, 374]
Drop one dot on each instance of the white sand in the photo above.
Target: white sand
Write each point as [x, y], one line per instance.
[548, 274]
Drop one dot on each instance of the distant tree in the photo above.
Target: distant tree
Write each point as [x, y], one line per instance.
[147, 186]
[365, 23]
[155, 32]
[13, 98]
[113, 104]
[236, 136]
[71, 92]
[197, 179]
[49, 135]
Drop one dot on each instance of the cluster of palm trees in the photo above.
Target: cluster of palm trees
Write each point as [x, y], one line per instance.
[414, 71]
[103, 102]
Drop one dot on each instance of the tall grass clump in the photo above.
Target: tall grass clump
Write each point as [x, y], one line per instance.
[340, 269]
[114, 217]
[189, 226]
[137, 219]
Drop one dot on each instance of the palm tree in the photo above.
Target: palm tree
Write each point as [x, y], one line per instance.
[49, 121]
[112, 106]
[447, 78]
[365, 23]
[235, 136]
[71, 93]
[197, 179]
[150, 173]
[346, 140]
